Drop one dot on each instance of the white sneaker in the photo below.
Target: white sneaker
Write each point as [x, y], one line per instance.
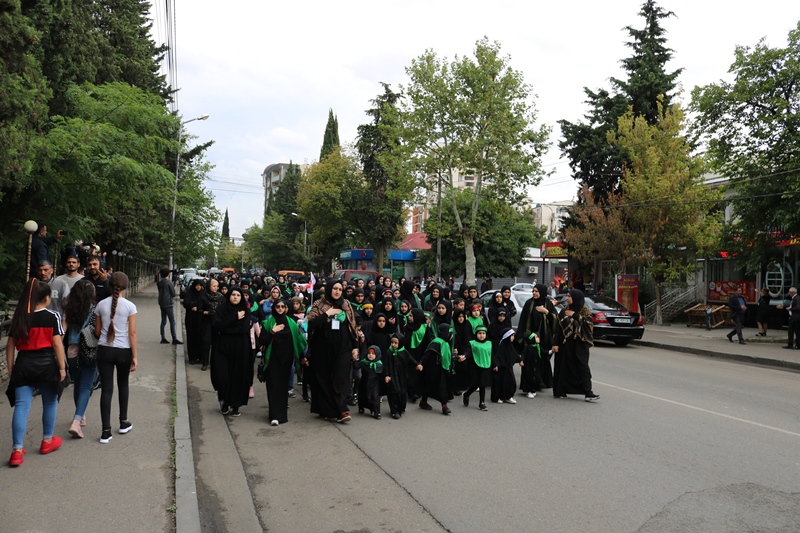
[531, 395]
[273, 423]
[511, 400]
[499, 401]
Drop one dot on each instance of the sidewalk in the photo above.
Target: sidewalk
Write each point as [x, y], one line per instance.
[699, 341]
[127, 484]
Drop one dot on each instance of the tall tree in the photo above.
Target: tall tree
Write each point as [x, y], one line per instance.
[663, 217]
[385, 189]
[473, 115]
[502, 234]
[226, 229]
[331, 138]
[751, 127]
[593, 161]
[285, 200]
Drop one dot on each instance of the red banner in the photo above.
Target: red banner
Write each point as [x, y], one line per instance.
[627, 291]
[553, 249]
[721, 291]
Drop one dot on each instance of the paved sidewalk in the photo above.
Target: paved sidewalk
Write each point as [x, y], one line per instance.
[758, 350]
[127, 484]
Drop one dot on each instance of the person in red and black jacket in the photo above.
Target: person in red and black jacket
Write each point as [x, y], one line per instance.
[36, 333]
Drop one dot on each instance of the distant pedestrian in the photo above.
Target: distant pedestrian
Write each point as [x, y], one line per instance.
[40, 247]
[166, 299]
[762, 314]
[36, 333]
[738, 308]
[794, 319]
[115, 327]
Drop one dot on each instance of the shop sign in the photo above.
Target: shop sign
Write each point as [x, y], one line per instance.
[721, 291]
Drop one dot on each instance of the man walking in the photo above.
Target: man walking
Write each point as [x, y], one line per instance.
[59, 290]
[166, 296]
[738, 309]
[71, 277]
[98, 277]
[794, 319]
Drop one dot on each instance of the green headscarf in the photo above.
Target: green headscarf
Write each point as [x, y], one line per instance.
[298, 341]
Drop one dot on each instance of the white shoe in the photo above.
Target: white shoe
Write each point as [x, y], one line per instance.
[499, 401]
[511, 400]
[273, 423]
[531, 395]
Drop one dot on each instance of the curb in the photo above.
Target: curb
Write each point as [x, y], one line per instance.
[763, 361]
[187, 510]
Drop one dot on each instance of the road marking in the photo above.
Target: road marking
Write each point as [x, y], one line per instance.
[723, 415]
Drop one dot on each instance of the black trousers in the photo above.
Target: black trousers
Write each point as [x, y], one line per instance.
[109, 359]
[738, 320]
[794, 333]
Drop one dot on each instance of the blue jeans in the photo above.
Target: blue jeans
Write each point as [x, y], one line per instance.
[19, 420]
[168, 313]
[82, 382]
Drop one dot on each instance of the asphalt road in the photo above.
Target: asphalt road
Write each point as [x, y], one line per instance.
[676, 443]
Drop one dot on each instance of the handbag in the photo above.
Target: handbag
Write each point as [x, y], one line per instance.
[87, 343]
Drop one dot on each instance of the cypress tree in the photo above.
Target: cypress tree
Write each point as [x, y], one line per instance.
[331, 138]
[226, 231]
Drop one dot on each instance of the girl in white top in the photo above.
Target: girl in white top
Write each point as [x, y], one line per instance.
[116, 330]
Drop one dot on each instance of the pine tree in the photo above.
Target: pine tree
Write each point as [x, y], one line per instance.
[331, 139]
[593, 161]
[226, 231]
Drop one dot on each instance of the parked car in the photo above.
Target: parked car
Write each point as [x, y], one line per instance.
[518, 298]
[612, 320]
[186, 281]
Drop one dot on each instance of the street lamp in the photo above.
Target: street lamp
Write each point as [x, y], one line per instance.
[114, 253]
[30, 226]
[175, 195]
[305, 236]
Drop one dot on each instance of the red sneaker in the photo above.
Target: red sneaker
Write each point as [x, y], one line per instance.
[53, 445]
[16, 457]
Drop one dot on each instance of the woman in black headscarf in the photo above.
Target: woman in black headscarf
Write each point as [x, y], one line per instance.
[494, 304]
[433, 299]
[443, 312]
[538, 318]
[232, 369]
[571, 343]
[417, 337]
[389, 310]
[196, 304]
[332, 347]
[282, 345]
[407, 293]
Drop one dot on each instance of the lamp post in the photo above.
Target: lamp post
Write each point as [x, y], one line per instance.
[30, 226]
[175, 195]
[114, 253]
[305, 236]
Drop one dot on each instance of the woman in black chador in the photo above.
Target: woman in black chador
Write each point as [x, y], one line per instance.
[232, 369]
[332, 347]
[417, 337]
[539, 318]
[571, 344]
[282, 345]
[197, 306]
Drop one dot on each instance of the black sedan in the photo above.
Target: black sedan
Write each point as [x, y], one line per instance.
[612, 320]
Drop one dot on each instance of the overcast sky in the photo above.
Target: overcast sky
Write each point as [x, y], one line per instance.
[267, 72]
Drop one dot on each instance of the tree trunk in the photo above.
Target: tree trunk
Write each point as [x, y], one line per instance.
[381, 250]
[469, 250]
[658, 301]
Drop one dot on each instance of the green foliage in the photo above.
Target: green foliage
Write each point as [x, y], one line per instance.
[331, 138]
[274, 246]
[323, 201]
[23, 97]
[472, 115]
[502, 234]
[95, 42]
[379, 199]
[285, 200]
[593, 161]
[751, 127]
[663, 216]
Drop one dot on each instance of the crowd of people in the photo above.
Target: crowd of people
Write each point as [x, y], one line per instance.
[354, 343]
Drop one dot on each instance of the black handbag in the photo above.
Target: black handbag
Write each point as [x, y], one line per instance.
[87, 343]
